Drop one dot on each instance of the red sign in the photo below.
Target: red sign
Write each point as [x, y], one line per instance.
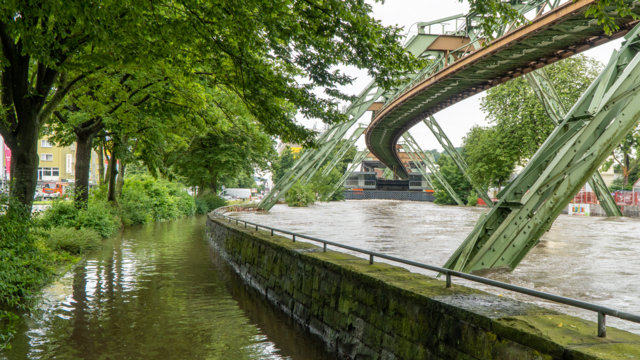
[7, 160]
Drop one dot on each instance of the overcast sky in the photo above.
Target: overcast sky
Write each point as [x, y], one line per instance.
[459, 118]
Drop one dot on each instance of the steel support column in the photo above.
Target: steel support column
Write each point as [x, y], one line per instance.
[446, 144]
[433, 168]
[555, 108]
[527, 207]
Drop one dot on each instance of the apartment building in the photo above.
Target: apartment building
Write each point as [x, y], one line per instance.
[57, 163]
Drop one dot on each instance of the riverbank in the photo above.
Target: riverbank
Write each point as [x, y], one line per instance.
[33, 250]
[402, 314]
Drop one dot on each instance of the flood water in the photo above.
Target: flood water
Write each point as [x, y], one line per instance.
[158, 292]
[594, 259]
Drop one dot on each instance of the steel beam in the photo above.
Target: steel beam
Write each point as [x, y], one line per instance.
[433, 168]
[357, 160]
[527, 207]
[555, 108]
[422, 167]
[446, 144]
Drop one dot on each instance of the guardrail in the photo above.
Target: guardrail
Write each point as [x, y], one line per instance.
[602, 311]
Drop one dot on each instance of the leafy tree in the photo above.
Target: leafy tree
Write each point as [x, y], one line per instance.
[497, 13]
[219, 154]
[257, 50]
[454, 177]
[520, 122]
[282, 164]
[491, 156]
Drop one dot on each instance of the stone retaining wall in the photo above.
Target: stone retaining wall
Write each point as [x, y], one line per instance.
[380, 311]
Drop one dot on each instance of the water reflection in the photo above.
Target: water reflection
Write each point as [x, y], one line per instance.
[157, 292]
[588, 258]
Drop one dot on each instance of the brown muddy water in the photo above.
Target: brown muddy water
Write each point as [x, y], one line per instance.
[158, 292]
[594, 259]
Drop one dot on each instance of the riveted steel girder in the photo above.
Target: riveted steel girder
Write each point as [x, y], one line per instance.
[422, 168]
[433, 168]
[544, 90]
[357, 160]
[602, 117]
[553, 36]
[446, 144]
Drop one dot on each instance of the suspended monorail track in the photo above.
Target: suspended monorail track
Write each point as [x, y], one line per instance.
[550, 37]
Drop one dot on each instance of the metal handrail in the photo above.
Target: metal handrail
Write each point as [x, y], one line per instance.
[601, 310]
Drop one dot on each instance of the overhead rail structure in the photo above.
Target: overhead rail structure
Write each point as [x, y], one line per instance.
[469, 69]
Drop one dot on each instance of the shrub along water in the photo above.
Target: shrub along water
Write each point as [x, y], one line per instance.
[145, 199]
[32, 249]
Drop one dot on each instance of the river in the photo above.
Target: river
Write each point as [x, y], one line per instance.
[594, 259]
[158, 292]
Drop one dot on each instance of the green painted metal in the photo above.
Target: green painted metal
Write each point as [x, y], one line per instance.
[430, 91]
[527, 207]
[357, 160]
[387, 174]
[446, 144]
[433, 168]
[344, 148]
[422, 167]
[553, 105]
[312, 159]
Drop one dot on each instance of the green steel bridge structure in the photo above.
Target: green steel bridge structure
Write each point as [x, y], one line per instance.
[462, 64]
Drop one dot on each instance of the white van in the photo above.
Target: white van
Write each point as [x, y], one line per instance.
[236, 193]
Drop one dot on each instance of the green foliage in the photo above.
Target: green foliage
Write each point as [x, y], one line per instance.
[454, 177]
[25, 265]
[490, 160]
[520, 122]
[472, 199]
[498, 13]
[282, 164]
[99, 216]
[300, 195]
[72, 240]
[145, 199]
[208, 202]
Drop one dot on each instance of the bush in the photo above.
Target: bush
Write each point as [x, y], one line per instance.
[145, 199]
[61, 213]
[72, 240]
[208, 202]
[25, 266]
[300, 195]
[472, 200]
[100, 217]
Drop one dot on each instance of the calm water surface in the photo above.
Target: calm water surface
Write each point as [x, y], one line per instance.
[158, 292]
[594, 259]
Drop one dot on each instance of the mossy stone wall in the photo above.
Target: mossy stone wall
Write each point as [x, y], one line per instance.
[380, 311]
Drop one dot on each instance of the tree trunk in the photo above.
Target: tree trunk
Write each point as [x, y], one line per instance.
[113, 173]
[24, 168]
[100, 165]
[84, 145]
[120, 181]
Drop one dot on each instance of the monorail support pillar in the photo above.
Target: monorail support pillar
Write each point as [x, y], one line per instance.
[555, 108]
[527, 207]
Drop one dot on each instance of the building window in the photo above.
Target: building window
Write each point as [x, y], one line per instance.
[69, 164]
[46, 157]
[48, 173]
[45, 143]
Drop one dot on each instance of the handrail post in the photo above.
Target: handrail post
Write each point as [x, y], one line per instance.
[370, 259]
[448, 280]
[602, 324]
[324, 247]
[271, 232]
[293, 237]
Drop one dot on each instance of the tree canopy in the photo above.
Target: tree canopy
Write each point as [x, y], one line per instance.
[271, 56]
[519, 122]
